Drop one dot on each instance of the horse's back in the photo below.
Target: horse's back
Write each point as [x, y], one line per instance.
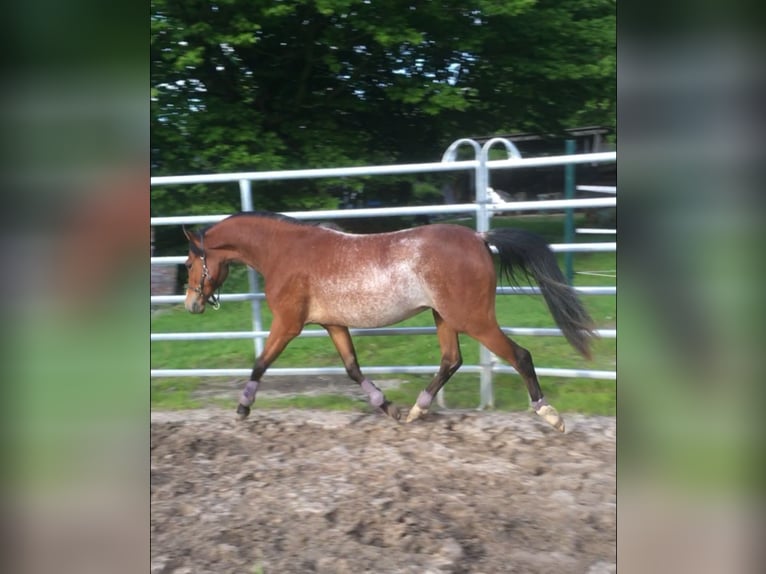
[457, 266]
[453, 242]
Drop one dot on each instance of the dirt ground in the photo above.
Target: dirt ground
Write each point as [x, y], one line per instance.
[295, 491]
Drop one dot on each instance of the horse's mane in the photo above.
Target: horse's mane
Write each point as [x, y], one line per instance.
[272, 215]
[262, 214]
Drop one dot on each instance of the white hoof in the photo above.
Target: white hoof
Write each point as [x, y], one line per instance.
[415, 413]
[552, 417]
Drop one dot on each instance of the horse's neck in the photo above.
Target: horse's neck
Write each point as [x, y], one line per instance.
[254, 242]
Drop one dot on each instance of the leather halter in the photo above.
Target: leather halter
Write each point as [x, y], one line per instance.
[214, 299]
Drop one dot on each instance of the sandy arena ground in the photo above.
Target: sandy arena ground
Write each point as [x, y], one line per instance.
[295, 491]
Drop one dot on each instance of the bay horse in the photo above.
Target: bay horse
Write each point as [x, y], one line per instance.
[338, 280]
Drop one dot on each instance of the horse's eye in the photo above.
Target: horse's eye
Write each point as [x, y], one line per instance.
[188, 265]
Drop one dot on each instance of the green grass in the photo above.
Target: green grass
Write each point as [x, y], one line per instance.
[174, 394]
[573, 395]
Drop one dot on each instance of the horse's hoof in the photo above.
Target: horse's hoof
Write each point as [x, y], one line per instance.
[552, 417]
[415, 413]
[392, 411]
[242, 412]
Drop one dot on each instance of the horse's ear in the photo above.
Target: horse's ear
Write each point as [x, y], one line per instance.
[195, 241]
[190, 235]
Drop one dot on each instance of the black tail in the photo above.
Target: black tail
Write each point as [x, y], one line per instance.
[529, 253]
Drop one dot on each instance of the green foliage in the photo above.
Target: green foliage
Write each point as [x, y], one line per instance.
[259, 85]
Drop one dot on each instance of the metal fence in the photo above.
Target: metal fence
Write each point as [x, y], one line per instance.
[483, 209]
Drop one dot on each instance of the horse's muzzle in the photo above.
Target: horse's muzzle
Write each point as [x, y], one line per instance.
[194, 305]
[195, 308]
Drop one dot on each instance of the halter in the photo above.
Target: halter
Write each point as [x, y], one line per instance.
[214, 298]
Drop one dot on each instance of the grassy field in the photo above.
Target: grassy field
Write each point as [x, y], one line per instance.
[578, 395]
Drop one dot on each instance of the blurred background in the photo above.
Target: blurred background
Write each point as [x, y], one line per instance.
[76, 122]
[75, 243]
[690, 447]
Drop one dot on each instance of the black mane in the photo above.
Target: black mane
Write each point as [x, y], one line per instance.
[271, 215]
[267, 215]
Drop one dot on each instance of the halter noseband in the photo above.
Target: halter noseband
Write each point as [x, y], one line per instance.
[213, 299]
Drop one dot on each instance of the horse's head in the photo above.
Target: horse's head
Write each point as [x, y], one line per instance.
[207, 270]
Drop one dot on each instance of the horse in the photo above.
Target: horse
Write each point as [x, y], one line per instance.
[320, 275]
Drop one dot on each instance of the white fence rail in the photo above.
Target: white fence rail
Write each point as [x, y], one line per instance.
[482, 209]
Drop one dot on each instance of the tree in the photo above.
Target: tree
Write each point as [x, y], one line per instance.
[259, 85]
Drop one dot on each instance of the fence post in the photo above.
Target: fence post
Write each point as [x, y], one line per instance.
[569, 227]
[486, 394]
[451, 155]
[486, 359]
[246, 196]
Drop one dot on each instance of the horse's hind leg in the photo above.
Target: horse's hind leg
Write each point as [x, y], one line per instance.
[342, 341]
[521, 360]
[450, 363]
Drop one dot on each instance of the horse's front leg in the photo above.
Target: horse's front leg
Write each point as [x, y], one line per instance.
[345, 346]
[280, 335]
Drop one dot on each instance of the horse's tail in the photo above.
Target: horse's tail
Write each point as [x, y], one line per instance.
[529, 253]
